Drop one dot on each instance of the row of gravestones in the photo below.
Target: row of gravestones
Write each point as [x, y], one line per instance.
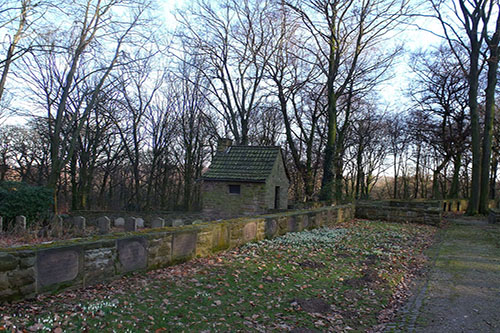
[128, 223]
[158, 222]
[20, 223]
[103, 223]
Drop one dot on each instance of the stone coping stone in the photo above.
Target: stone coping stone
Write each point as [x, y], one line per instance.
[403, 203]
[380, 204]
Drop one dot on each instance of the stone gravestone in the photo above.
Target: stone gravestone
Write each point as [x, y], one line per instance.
[140, 222]
[20, 223]
[183, 245]
[493, 216]
[132, 253]
[57, 226]
[250, 231]
[104, 225]
[271, 228]
[130, 224]
[79, 224]
[177, 223]
[158, 222]
[119, 222]
[58, 265]
[1, 224]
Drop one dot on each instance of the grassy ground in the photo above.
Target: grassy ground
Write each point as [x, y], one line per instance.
[341, 279]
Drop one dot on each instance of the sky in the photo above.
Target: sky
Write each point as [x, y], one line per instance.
[413, 39]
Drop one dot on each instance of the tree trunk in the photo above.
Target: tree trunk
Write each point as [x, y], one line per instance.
[488, 120]
[436, 194]
[455, 182]
[493, 178]
[417, 171]
[473, 79]
[395, 188]
[15, 40]
[359, 168]
[328, 181]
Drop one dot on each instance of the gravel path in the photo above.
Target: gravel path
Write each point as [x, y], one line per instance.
[461, 291]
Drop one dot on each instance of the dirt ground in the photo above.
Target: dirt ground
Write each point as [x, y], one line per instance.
[461, 290]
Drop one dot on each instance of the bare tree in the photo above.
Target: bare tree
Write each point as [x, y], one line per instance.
[234, 38]
[73, 57]
[294, 75]
[465, 27]
[138, 83]
[369, 136]
[440, 93]
[17, 18]
[344, 31]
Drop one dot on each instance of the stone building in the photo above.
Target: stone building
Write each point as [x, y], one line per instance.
[245, 180]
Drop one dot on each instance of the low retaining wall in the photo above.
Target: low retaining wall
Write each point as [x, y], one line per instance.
[424, 212]
[30, 270]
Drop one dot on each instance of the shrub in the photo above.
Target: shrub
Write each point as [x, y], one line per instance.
[18, 198]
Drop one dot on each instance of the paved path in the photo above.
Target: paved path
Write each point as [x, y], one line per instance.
[461, 292]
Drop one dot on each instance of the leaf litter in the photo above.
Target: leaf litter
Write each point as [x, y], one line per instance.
[352, 277]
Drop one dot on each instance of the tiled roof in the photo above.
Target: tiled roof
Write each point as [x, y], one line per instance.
[243, 163]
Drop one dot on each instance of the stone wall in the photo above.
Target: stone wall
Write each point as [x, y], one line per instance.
[424, 212]
[219, 203]
[30, 270]
[279, 178]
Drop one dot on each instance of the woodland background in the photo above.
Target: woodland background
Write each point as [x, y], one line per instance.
[111, 107]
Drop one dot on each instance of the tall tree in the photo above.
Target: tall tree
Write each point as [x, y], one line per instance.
[471, 18]
[344, 30]
[492, 41]
[75, 53]
[440, 112]
[234, 37]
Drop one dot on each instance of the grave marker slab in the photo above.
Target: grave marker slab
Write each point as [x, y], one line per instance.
[104, 225]
[79, 223]
[271, 228]
[250, 231]
[132, 253]
[58, 265]
[177, 223]
[158, 223]
[293, 225]
[119, 222]
[184, 245]
[21, 222]
[130, 224]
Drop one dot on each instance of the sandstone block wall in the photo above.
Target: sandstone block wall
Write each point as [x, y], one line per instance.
[30, 270]
[218, 203]
[422, 212]
[279, 178]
